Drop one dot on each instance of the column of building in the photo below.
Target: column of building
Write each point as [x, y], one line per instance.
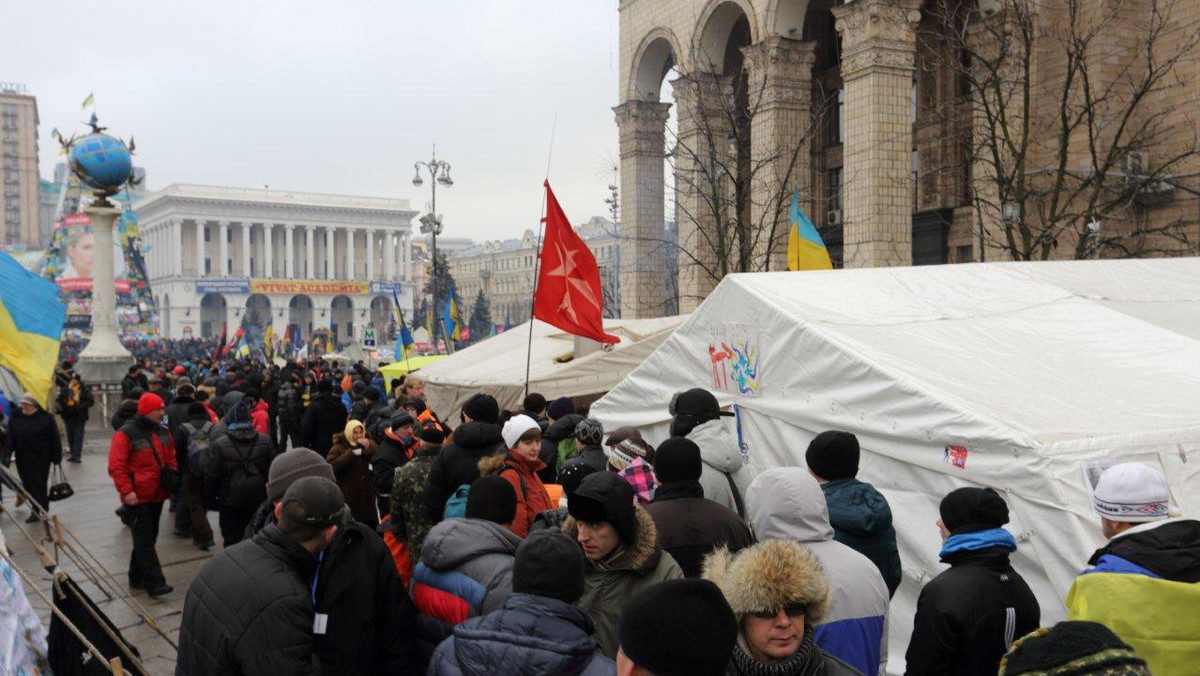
[199, 247]
[269, 250]
[370, 254]
[289, 251]
[781, 132]
[642, 129]
[878, 58]
[223, 268]
[310, 248]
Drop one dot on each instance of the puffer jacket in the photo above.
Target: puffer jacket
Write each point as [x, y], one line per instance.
[261, 417]
[561, 429]
[240, 451]
[787, 503]
[458, 463]
[1145, 586]
[131, 459]
[465, 571]
[642, 564]
[530, 636]
[290, 406]
[968, 616]
[862, 520]
[690, 527]
[249, 611]
[722, 465]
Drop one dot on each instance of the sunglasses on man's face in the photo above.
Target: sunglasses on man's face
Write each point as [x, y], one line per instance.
[792, 610]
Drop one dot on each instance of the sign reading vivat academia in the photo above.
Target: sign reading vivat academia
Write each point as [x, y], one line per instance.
[309, 286]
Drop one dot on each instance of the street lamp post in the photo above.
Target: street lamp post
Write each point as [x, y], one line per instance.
[431, 224]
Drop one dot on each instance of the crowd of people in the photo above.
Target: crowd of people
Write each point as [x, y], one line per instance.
[362, 533]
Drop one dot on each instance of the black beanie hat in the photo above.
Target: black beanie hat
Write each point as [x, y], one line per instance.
[833, 455]
[604, 496]
[677, 459]
[493, 499]
[679, 628]
[968, 510]
[549, 564]
[1073, 649]
[560, 407]
[482, 408]
[572, 475]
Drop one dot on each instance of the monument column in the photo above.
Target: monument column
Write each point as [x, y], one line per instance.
[642, 129]
[105, 359]
[199, 247]
[289, 251]
[223, 268]
[310, 247]
[878, 59]
[370, 254]
[781, 134]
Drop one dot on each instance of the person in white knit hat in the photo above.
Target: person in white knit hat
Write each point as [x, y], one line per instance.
[1145, 583]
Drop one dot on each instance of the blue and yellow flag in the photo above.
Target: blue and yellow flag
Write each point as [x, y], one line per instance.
[89, 101]
[450, 317]
[404, 341]
[31, 322]
[806, 251]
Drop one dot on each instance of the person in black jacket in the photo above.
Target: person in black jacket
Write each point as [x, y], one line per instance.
[236, 481]
[372, 620]
[968, 616]
[177, 415]
[250, 609]
[33, 436]
[398, 445]
[457, 464]
[690, 527]
[291, 412]
[74, 400]
[325, 417]
[134, 380]
[558, 430]
[192, 491]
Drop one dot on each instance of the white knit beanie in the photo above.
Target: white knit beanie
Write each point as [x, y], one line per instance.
[517, 426]
[1132, 492]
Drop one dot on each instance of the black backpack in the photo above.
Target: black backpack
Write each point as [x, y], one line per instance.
[246, 486]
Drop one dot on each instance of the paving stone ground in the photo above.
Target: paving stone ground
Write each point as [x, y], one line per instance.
[89, 515]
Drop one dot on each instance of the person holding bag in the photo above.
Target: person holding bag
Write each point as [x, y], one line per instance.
[139, 457]
[33, 436]
[236, 480]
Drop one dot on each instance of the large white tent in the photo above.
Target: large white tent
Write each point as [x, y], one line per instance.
[497, 365]
[1025, 377]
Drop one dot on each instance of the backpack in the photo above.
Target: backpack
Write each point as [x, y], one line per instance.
[246, 486]
[456, 506]
[197, 448]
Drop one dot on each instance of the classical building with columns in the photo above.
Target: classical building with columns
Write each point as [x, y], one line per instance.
[868, 109]
[298, 259]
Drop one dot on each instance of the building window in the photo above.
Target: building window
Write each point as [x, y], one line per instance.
[229, 266]
[834, 178]
[837, 119]
[913, 103]
[208, 266]
[229, 235]
[207, 234]
[964, 254]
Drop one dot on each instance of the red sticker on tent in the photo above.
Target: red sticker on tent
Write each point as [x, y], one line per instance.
[955, 455]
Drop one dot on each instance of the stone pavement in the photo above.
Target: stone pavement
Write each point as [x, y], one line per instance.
[89, 515]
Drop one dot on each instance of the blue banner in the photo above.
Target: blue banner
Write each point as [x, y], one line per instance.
[223, 285]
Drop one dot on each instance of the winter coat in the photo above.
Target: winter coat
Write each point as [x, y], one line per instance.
[134, 382]
[787, 503]
[690, 526]
[458, 463]
[393, 453]
[125, 412]
[324, 417]
[249, 611]
[291, 409]
[74, 407]
[177, 413]
[1145, 586]
[238, 452]
[862, 520]
[34, 439]
[521, 474]
[465, 571]
[354, 477]
[182, 435]
[410, 520]
[529, 636]
[642, 564]
[260, 417]
[592, 456]
[723, 469]
[968, 616]
[562, 428]
[372, 622]
[131, 459]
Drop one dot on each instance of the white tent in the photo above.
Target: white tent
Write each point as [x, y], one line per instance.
[1025, 377]
[497, 365]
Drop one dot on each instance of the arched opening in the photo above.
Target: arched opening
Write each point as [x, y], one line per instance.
[300, 318]
[258, 312]
[383, 318]
[341, 319]
[787, 18]
[212, 315]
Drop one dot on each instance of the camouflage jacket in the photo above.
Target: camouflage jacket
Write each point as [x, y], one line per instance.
[410, 520]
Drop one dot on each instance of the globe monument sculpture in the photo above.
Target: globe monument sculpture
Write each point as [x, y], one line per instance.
[104, 164]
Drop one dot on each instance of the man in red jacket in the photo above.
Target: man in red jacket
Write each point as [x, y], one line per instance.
[138, 452]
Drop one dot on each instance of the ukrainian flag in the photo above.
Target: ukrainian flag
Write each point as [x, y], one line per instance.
[450, 317]
[806, 251]
[31, 322]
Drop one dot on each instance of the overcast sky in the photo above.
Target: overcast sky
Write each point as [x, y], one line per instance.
[339, 95]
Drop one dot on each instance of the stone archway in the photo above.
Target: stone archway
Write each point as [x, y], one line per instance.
[258, 311]
[212, 315]
[341, 318]
[382, 317]
[300, 318]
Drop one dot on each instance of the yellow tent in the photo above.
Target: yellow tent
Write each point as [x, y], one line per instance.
[399, 368]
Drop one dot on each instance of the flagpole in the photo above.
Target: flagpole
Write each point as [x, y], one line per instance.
[537, 261]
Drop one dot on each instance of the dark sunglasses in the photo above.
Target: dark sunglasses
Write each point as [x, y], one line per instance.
[791, 610]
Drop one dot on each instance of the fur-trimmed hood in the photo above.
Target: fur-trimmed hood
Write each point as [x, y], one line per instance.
[642, 556]
[770, 575]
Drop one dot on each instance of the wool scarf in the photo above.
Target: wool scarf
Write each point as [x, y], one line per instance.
[807, 661]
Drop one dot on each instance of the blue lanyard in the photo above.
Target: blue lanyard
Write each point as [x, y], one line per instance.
[316, 576]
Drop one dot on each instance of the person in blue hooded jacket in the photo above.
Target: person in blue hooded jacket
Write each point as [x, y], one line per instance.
[860, 515]
[538, 630]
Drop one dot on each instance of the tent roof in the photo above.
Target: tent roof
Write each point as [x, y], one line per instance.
[1038, 352]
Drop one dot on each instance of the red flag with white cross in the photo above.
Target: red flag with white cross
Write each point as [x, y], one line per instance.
[568, 292]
